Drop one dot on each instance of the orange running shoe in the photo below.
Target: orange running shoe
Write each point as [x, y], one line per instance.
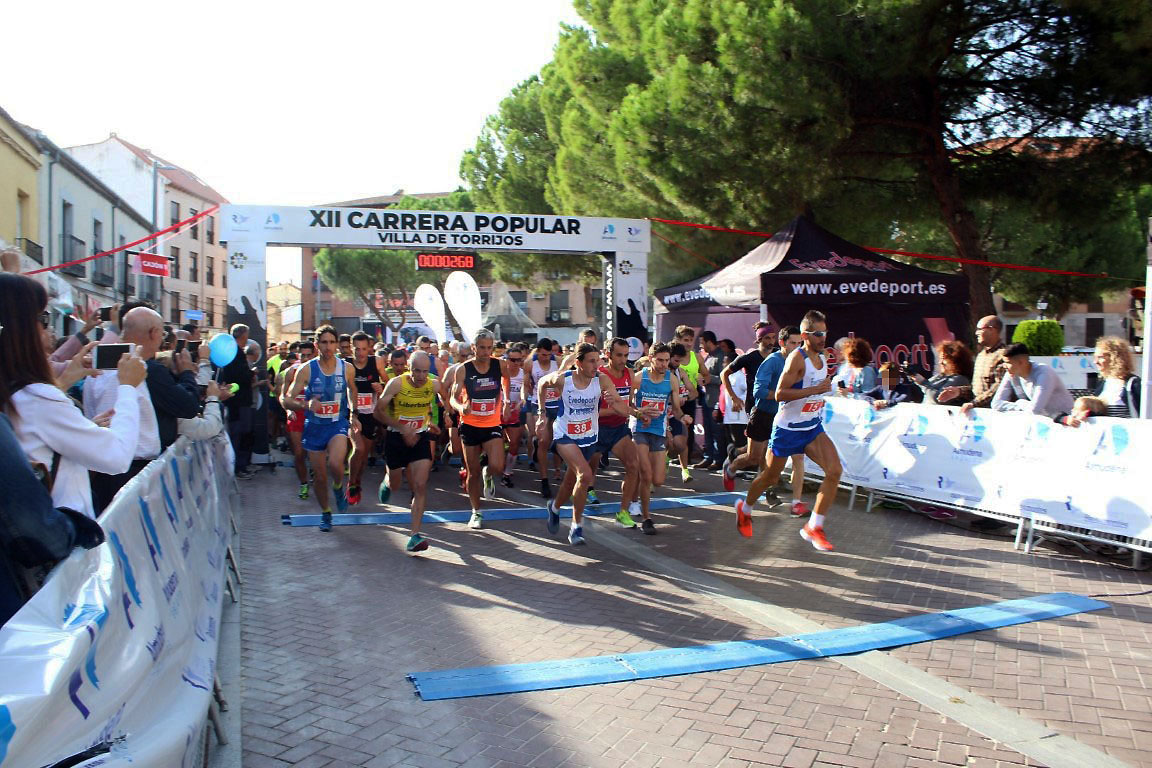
[800, 509]
[743, 519]
[815, 537]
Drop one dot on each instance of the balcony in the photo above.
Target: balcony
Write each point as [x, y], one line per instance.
[71, 249]
[32, 250]
[150, 289]
[104, 271]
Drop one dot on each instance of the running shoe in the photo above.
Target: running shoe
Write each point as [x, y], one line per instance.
[245, 474]
[476, 522]
[532, 465]
[553, 518]
[625, 519]
[772, 499]
[353, 494]
[728, 477]
[800, 509]
[815, 537]
[685, 475]
[545, 489]
[303, 491]
[417, 543]
[506, 481]
[576, 535]
[341, 499]
[743, 519]
[489, 483]
[325, 522]
[385, 493]
[592, 497]
[648, 527]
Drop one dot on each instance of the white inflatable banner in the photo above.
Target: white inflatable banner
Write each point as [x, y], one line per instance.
[1009, 463]
[463, 297]
[431, 308]
[117, 652]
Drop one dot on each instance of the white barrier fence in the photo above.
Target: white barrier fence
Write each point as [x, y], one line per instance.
[1013, 465]
[120, 644]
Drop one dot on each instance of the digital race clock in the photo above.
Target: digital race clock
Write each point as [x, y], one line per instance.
[445, 261]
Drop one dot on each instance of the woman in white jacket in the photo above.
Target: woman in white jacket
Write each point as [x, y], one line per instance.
[46, 422]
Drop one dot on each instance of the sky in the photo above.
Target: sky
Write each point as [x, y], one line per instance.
[279, 103]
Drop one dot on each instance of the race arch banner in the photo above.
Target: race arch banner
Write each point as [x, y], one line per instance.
[1091, 477]
[119, 646]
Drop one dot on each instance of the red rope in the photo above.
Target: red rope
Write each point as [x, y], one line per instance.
[144, 239]
[670, 241]
[912, 254]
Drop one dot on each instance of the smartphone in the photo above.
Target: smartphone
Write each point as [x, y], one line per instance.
[107, 356]
[192, 346]
[105, 314]
[180, 344]
[842, 384]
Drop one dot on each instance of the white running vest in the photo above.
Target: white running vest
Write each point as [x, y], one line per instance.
[579, 417]
[807, 412]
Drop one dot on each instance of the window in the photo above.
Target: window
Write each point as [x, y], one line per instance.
[195, 228]
[174, 252]
[558, 307]
[97, 235]
[194, 266]
[483, 299]
[1093, 330]
[174, 313]
[193, 301]
[209, 311]
[173, 212]
[210, 230]
[595, 303]
[521, 299]
[210, 270]
[1096, 304]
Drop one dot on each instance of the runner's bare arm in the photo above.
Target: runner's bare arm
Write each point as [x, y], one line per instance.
[289, 400]
[612, 399]
[794, 372]
[687, 385]
[350, 393]
[724, 374]
[458, 389]
[382, 410]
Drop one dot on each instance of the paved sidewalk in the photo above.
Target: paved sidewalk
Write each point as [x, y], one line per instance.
[333, 622]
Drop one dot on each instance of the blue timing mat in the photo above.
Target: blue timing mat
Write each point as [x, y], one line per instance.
[542, 675]
[510, 513]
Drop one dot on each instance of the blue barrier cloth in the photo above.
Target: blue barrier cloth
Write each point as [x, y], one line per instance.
[542, 675]
[510, 513]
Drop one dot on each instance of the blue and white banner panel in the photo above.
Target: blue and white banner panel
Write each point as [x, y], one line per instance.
[119, 646]
[1009, 463]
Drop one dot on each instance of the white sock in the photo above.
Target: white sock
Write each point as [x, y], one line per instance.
[817, 521]
[796, 501]
[575, 524]
[475, 511]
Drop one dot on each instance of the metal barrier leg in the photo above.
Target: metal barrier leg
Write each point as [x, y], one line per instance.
[852, 497]
[228, 585]
[232, 519]
[1019, 533]
[235, 566]
[871, 500]
[217, 726]
[1031, 537]
[1136, 559]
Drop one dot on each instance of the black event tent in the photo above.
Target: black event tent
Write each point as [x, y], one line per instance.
[901, 309]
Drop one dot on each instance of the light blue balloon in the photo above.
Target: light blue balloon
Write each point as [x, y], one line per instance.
[222, 349]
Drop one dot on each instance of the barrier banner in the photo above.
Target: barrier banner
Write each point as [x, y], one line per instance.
[119, 646]
[1009, 463]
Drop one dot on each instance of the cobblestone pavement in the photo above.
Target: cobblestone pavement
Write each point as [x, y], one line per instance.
[333, 622]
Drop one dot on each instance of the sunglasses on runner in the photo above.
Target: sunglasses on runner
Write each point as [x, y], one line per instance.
[817, 334]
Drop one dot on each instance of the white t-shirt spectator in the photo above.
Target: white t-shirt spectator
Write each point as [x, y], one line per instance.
[45, 421]
[739, 382]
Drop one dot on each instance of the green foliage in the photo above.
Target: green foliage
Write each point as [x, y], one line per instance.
[874, 117]
[359, 273]
[1043, 337]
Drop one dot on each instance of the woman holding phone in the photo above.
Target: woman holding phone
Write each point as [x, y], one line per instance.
[48, 426]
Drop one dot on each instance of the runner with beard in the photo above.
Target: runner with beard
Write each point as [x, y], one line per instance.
[656, 400]
[615, 437]
[799, 428]
[368, 376]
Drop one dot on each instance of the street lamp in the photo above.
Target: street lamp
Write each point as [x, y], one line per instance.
[1042, 305]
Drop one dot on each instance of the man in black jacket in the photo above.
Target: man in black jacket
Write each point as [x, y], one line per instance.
[169, 398]
[240, 411]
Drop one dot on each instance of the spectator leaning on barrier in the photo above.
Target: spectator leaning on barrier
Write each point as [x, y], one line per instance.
[1030, 387]
[1118, 387]
[165, 400]
[988, 369]
[50, 429]
[954, 361]
[856, 375]
[893, 389]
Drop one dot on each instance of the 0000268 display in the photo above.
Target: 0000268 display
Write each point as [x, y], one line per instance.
[445, 261]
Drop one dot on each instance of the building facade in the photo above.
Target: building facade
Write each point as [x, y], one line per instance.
[197, 281]
[19, 197]
[81, 216]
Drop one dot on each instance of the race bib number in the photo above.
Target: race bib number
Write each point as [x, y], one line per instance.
[659, 403]
[328, 409]
[812, 406]
[551, 397]
[416, 422]
[365, 403]
[579, 428]
[483, 407]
